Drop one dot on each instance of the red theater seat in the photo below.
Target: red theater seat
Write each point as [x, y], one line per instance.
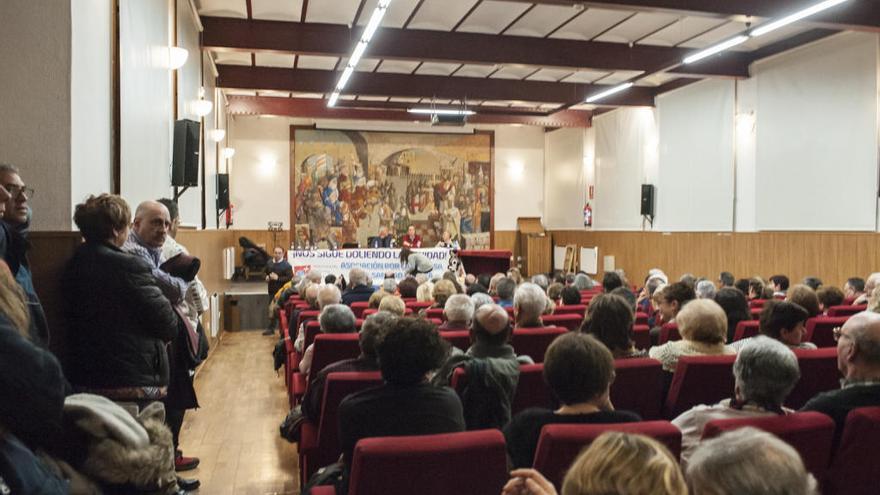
[572, 309]
[532, 390]
[371, 311]
[358, 308]
[746, 329]
[560, 444]
[329, 348]
[467, 463]
[818, 374]
[846, 310]
[810, 433]
[668, 332]
[533, 342]
[435, 313]
[699, 380]
[856, 466]
[642, 336]
[820, 330]
[641, 318]
[458, 338]
[417, 306]
[569, 321]
[757, 303]
[638, 386]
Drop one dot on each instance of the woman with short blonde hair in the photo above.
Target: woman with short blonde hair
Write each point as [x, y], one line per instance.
[703, 328]
[425, 292]
[393, 305]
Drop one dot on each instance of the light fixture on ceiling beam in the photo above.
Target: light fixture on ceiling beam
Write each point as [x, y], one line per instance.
[712, 50]
[609, 92]
[785, 21]
[441, 111]
[359, 49]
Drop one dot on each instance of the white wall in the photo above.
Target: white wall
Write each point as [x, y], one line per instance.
[35, 85]
[565, 180]
[746, 159]
[519, 174]
[91, 105]
[189, 80]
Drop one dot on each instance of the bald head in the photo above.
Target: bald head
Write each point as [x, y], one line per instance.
[151, 223]
[491, 325]
[871, 282]
[858, 349]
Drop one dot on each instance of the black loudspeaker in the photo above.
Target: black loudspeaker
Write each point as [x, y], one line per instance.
[222, 191]
[647, 200]
[185, 161]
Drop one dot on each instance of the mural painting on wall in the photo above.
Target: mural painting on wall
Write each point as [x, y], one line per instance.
[350, 184]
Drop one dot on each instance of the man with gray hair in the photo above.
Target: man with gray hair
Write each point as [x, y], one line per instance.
[358, 288]
[371, 330]
[459, 311]
[481, 298]
[858, 359]
[541, 281]
[582, 281]
[748, 461]
[335, 318]
[529, 303]
[705, 289]
[389, 285]
[765, 372]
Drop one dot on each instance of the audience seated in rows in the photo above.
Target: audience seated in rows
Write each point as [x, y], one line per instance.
[324, 295]
[703, 327]
[335, 318]
[611, 281]
[370, 332]
[610, 319]
[376, 298]
[805, 297]
[579, 370]
[443, 289]
[783, 321]
[748, 461]
[735, 306]
[393, 305]
[459, 311]
[529, 303]
[358, 288]
[615, 463]
[407, 288]
[858, 358]
[765, 372]
[570, 296]
[491, 366]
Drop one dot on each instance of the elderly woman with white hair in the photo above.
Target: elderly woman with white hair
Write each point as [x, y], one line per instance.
[705, 289]
[748, 460]
[703, 328]
[582, 282]
[765, 372]
[529, 303]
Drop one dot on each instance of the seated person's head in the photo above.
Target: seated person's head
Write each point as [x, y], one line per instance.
[611, 281]
[745, 461]
[312, 295]
[371, 330]
[765, 372]
[704, 321]
[579, 369]
[804, 296]
[582, 282]
[813, 282]
[476, 288]
[854, 287]
[627, 295]
[622, 463]
[610, 319]
[408, 350]
[103, 218]
[328, 294]
[784, 321]
[481, 298]
[393, 305]
[780, 283]
[541, 281]
[756, 289]
[459, 310]
[389, 285]
[330, 279]
[337, 318]
[705, 289]
[672, 299]
[442, 290]
[554, 291]
[828, 296]
[529, 303]
[689, 279]
[570, 296]
[484, 279]
[742, 285]
[357, 276]
[425, 292]
[505, 288]
[515, 274]
[493, 283]
[734, 304]
[408, 287]
[725, 279]
[858, 346]
[376, 299]
[491, 325]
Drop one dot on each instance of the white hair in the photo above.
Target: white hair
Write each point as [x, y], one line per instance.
[357, 276]
[705, 289]
[530, 301]
[459, 307]
[481, 298]
[766, 371]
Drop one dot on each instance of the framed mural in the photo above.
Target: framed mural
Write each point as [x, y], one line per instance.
[347, 185]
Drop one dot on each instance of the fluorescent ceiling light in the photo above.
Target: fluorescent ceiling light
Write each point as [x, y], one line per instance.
[441, 111]
[359, 49]
[774, 25]
[609, 92]
[712, 50]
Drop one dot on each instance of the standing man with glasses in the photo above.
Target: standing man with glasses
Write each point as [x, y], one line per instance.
[14, 245]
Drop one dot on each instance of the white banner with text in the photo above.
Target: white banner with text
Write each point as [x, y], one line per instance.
[376, 262]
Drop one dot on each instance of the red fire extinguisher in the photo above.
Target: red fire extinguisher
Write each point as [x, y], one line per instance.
[229, 215]
[588, 215]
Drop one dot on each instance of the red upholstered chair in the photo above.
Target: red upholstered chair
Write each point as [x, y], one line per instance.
[560, 444]
[668, 332]
[856, 467]
[533, 342]
[638, 386]
[435, 313]
[417, 306]
[641, 318]
[532, 390]
[329, 348]
[358, 323]
[846, 310]
[810, 433]
[755, 312]
[746, 329]
[569, 321]
[371, 311]
[458, 338]
[757, 303]
[849, 300]
[820, 330]
[467, 463]
[699, 380]
[572, 309]
[642, 336]
[319, 444]
[313, 328]
[509, 310]
[436, 321]
[358, 308]
[819, 373]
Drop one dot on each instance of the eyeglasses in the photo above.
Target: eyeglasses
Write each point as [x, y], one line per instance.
[15, 190]
[837, 332]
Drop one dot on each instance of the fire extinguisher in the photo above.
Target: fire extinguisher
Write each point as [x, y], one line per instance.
[588, 215]
[229, 215]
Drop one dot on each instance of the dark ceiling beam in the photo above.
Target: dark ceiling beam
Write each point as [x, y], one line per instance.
[317, 109]
[333, 40]
[404, 85]
[858, 15]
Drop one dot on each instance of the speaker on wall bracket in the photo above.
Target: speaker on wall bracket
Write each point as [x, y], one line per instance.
[185, 158]
[647, 204]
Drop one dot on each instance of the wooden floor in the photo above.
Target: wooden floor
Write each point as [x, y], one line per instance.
[235, 432]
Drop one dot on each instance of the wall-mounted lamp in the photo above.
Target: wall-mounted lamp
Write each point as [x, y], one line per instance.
[217, 135]
[177, 57]
[227, 153]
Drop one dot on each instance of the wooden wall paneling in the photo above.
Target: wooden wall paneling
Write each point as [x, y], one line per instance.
[505, 239]
[48, 255]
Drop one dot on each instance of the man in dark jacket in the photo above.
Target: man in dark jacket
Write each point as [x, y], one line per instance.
[358, 289]
[14, 245]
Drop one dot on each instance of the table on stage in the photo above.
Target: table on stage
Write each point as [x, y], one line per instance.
[489, 261]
